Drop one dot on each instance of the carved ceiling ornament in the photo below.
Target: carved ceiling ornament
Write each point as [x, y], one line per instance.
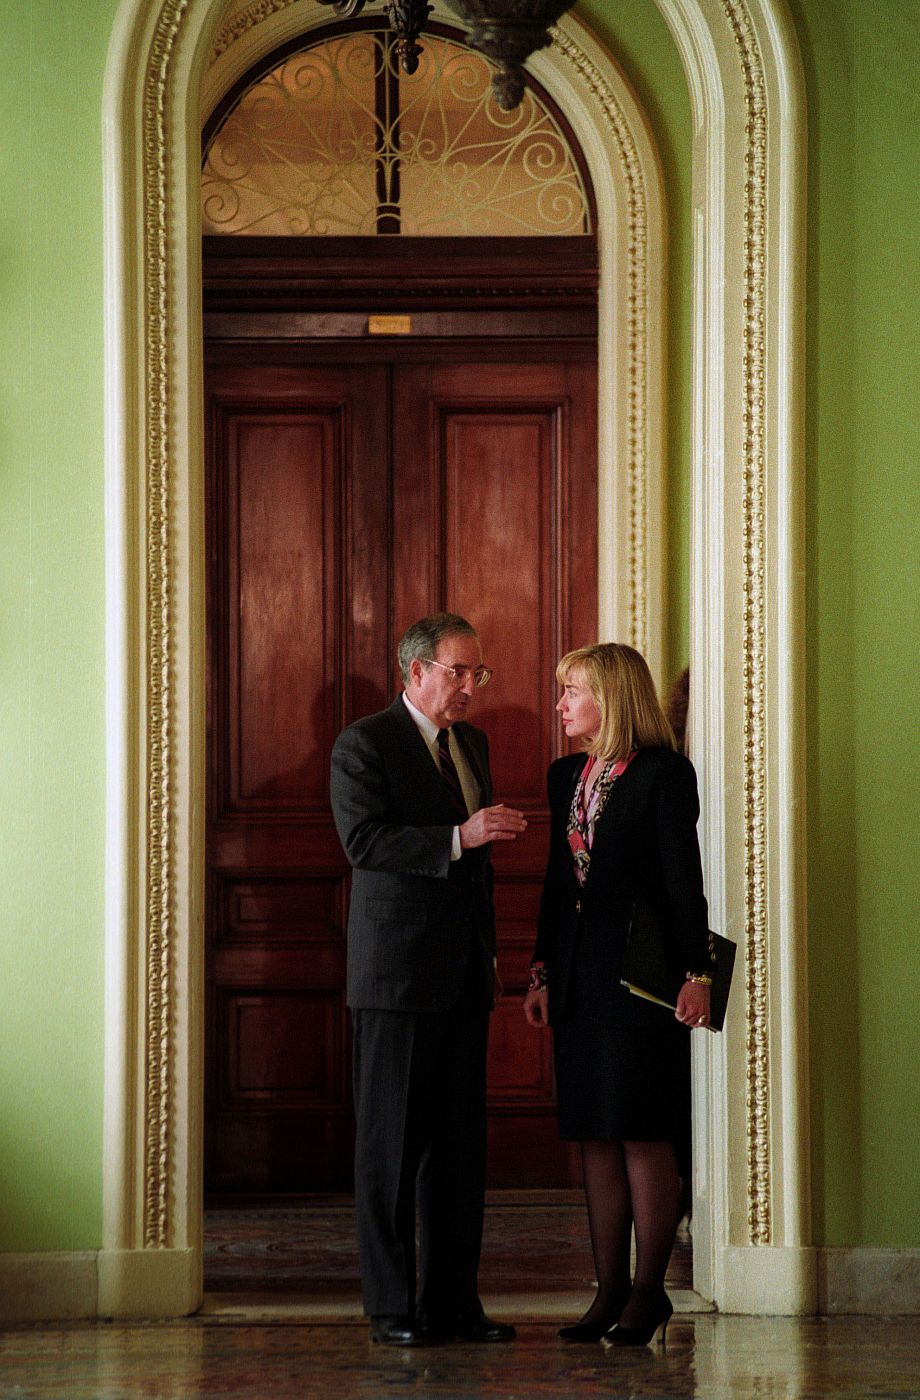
[159, 1157]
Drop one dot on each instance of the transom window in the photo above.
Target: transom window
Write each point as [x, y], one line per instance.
[336, 139]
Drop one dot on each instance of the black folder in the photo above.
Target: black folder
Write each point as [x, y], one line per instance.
[650, 970]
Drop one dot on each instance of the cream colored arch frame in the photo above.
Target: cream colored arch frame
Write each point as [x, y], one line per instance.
[742, 67]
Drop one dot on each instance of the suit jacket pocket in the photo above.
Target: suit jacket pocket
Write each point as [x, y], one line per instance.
[395, 911]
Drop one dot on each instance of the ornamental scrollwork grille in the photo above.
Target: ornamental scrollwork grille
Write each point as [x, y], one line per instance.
[335, 139]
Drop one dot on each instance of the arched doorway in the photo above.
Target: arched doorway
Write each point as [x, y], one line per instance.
[742, 66]
[400, 417]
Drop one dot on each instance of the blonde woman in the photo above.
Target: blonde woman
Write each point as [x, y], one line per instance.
[623, 823]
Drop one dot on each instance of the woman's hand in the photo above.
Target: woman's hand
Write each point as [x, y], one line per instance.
[536, 1007]
[693, 1005]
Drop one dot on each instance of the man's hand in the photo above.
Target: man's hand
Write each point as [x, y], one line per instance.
[499, 823]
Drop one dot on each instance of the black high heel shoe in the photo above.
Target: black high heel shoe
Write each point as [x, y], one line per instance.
[655, 1326]
[596, 1328]
[586, 1331]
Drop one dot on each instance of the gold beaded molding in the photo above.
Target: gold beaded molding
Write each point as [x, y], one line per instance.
[244, 20]
[754, 624]
[636, 333]
[159, 1047]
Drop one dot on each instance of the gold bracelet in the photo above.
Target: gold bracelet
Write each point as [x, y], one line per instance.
[702, 979]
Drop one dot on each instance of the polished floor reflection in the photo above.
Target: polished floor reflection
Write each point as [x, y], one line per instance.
[717, 1358]
[282, 1319]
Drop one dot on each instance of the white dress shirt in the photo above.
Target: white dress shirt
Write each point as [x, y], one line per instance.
[429, 732]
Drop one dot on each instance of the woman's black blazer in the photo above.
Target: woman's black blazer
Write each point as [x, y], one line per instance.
[644, 842]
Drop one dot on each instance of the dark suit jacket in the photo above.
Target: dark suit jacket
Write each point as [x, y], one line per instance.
[414, 912]
[645, 842]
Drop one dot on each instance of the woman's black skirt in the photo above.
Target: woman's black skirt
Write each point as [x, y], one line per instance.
[620, 1081]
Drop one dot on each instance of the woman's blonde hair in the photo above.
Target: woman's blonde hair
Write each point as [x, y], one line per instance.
[621, 683]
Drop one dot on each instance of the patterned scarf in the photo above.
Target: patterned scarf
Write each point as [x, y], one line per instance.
[583, 819]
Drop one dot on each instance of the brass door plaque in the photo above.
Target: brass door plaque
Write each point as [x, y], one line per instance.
[389, 325]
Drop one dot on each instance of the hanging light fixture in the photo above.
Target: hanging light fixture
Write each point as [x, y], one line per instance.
[506, 31]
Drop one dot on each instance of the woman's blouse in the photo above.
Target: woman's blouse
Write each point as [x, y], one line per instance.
[583, 817]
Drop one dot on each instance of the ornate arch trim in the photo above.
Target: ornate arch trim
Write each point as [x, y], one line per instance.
[621, 152]
[742, 68]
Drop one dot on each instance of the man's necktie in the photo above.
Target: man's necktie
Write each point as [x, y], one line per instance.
[450, 775]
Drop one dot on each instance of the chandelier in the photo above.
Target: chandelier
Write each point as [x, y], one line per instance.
[506, 31]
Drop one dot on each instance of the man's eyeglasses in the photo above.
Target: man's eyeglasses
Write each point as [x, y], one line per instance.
[481, 675]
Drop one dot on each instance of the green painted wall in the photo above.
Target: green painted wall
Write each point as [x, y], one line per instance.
[861, 61]
[52, 751]
[862, 503]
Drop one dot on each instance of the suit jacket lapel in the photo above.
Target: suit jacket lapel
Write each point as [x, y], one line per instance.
[426, 774]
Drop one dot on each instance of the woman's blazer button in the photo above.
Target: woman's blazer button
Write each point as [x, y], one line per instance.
[578, 906]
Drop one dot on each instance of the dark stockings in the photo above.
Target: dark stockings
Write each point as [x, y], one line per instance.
[630, 1185]
[610, 1220]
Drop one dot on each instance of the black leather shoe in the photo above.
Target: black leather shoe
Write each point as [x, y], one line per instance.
[480, 1328]
[400, 1332]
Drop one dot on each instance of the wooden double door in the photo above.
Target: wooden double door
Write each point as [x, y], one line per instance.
[347, 497]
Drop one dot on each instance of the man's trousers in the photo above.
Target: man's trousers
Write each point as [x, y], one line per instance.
[420, 1106]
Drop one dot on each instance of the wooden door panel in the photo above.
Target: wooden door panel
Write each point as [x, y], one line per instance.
[264, 928]
[328, 533]
[284, 500]
[298, 529]
[284, 1048]
[513, 1077]
[501, 471]
[279, 907]
[498, 568]
[496, 468]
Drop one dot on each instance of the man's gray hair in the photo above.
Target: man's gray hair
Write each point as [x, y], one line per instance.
[422, 639]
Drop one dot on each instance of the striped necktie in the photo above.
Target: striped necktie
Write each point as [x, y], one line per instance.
[450, 775]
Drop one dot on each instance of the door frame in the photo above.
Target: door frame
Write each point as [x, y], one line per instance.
[743, 70]
[325, 284]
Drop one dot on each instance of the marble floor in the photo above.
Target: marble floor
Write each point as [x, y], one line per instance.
[715, 1358]
[282, 1319]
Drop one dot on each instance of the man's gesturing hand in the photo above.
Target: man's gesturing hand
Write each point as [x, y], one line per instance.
[499, 823]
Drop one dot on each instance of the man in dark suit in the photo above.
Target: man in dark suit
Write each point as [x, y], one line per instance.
[412, 800]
